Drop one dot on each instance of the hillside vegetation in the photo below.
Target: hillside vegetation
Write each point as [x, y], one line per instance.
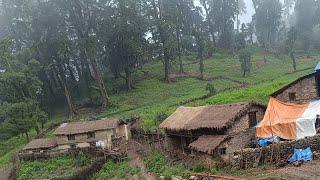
[153, 98]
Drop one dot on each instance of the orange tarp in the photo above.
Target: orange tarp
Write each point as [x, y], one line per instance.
[280, 119]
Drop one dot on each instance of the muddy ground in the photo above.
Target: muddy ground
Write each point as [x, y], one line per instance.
[307, 171]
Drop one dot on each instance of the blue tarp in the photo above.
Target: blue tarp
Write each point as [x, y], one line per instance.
[301, 155]
[264, 142]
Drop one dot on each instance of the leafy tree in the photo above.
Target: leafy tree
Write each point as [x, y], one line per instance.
[242, 9]
[20, 89]
[267, 21]
[125, 40]
[21, 117]
[183, 13]
[250, 32]
[220, 16]
[240, 38]
[304, 11]
[199, 33]
[245, 60]
[163, 30]
[290, 42]
[212, 90]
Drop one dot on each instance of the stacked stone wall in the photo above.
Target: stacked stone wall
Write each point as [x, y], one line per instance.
[305, 90]
[275, 154]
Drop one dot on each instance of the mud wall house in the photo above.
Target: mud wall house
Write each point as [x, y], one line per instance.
[212, 130]
[40, 145]
[100, 133]
[90, 133]
[301, 90]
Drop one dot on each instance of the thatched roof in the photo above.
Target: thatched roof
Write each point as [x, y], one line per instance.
[207, 143]
[41, 144]
[86, 126]
[192, 118]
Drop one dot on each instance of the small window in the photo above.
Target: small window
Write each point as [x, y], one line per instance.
[223, 151]
[91, 135]
[73, 146]
[292, 96]
[252, 119]
[71, 137]
[317, 121]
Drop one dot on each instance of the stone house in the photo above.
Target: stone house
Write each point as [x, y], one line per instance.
[303, 89]
[212, 130]
[101, 133]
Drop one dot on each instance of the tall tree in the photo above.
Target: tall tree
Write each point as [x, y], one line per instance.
[199, 32]
[20, 89]
[267, 21]
[163, 30]
[242, 9]
[83, 17]
[304, 11]
[125, 39]
[183, 14]
[290, 42]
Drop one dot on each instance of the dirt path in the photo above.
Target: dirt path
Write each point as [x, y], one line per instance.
[134, 150]
[307, 171]
[5, 172]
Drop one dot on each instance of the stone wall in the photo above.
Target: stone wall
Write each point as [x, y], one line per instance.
[238, 141]
[276, 154]
[305, 90]
[243, 123]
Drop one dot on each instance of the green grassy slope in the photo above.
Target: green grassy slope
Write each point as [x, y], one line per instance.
[152, 96]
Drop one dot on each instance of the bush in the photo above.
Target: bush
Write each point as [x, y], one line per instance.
[245, 60]
[159, 164]
[212, 90]
[111, 169]
[161, 116]
[82, 159]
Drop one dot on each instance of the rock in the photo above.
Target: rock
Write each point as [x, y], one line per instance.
[176, 177]
[162, 177]
[193, 178]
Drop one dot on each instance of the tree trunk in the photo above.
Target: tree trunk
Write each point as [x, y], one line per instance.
[166, 67]
[244, 73]
[27, 136]
[102, 89]
[201, 68]
[238, 23]
[71, 111]
[179, 50]
[63, 85]
[265, 54]
[128, 78]
[294, 64]
[75, 82]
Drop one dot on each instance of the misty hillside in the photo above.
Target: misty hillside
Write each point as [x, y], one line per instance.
[79, 60]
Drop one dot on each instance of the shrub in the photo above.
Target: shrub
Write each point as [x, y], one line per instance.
[82, 159]
[161, 116]
[212, 90]
[245, 60]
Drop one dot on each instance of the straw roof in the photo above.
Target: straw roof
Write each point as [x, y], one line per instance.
[86, 126]
[192, 118]
[207, 143]
[41, 144]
